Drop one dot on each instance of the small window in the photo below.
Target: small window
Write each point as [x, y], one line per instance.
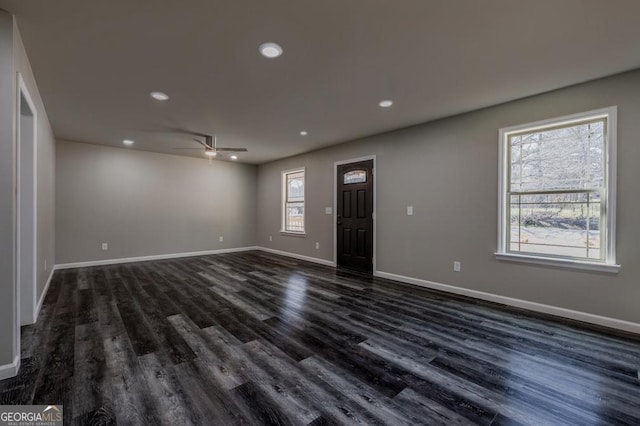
[293, 196]
[355, 176]
[557, 186]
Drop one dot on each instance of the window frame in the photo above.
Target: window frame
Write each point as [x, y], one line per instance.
[284, 202]
[608, 263]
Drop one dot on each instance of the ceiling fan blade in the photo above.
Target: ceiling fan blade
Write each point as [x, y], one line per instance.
[187, 131]
[231, 149]
[202, 143]
[199, 149]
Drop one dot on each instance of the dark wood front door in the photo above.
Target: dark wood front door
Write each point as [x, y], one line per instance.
[355, 216]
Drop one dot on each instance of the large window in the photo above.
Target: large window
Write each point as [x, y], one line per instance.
[558, 190]
[293, 200]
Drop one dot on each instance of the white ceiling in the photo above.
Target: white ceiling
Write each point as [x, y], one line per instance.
[97, 61]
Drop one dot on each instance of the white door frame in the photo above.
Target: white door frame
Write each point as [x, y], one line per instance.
[335, 206]
[27, 221]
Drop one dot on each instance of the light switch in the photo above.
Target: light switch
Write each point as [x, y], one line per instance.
[409, 210]
[328, 210]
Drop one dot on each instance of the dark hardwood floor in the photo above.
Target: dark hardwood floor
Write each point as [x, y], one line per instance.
[254, 338]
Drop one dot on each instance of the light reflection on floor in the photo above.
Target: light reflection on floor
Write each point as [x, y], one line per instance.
[295, 297]
[574, 383]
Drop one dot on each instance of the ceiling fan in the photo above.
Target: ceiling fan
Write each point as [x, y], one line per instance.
[210, 145]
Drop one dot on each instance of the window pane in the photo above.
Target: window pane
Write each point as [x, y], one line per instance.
[355, 176]
[294, 217]
[295, 186]
[556, 224]
[570, 157]
[293, 212]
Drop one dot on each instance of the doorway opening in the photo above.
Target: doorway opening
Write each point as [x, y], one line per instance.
[354, 203]
[26, 269]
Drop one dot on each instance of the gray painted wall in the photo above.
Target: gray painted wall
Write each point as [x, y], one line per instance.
[7, 194]
[144, 203]
[45, 179]
[448, 170]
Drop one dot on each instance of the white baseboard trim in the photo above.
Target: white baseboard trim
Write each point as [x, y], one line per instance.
[149, 258]
[297, 256]
[44, 293]
[532, 306]
[10, 370]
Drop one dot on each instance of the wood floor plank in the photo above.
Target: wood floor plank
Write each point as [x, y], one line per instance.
[214, 360]
[254, 338]
[355, 401]
[209, 403]
[130, 393]
[172, 410]
[171, 347]
[90, 388]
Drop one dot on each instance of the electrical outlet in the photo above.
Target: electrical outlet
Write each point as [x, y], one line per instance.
[456, 266]
[328, 210]
[317, 245]
[409, 210]
[105, 246]
[270, 237]
[221, 238]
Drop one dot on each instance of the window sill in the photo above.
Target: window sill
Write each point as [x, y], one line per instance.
[293, 234]
[560, 263]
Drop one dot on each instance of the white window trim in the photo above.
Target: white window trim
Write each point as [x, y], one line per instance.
[609, 263]
[283, 203]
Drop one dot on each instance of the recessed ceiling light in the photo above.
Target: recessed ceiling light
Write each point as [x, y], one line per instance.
[234, 157]
[128, 142]
[270, 50]
[304, 133]
[159, 96]
[210, 153]
[386, 103]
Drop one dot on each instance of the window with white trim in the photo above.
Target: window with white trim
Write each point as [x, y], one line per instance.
[293, 194]
[557, 187]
